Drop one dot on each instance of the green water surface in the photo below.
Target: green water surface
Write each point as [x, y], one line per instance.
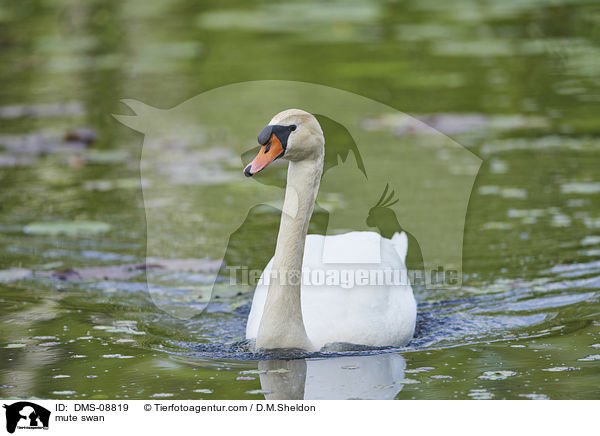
[516, 82]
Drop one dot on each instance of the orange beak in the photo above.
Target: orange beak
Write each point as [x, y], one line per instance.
[269, 152]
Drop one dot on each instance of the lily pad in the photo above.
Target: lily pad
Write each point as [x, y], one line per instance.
[15, 345]
[203, 391]
[130, 270]
[581, 188]
[497, 375]
[105, 157]
[590, 358]
[125, 330]
[13, 274]
[407, 381]
[535, 396]
[253, 371]
[44, 110]
[560, 368]
[70, 228]
[480, 394]
[117, 272]
[116, 356]
[10, 161]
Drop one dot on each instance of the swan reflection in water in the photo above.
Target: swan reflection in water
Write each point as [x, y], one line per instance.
[376, 377]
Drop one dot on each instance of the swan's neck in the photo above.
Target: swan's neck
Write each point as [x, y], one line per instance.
[282, 325]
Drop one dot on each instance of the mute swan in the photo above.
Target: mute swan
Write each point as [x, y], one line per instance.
[289, 313]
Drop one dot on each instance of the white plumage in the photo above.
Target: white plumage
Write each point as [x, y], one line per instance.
[371, 314]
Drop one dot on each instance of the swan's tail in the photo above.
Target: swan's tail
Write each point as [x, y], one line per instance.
[400, 242]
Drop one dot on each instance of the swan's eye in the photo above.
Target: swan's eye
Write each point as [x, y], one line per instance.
[292, 128]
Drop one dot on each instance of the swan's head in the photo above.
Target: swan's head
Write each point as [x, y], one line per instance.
[293, 134]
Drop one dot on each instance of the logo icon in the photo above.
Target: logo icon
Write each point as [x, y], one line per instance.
[190, 166]
[26, 415]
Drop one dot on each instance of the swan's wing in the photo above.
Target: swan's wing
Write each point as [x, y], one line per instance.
[400, 243]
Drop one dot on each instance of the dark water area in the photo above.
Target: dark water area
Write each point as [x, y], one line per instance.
[516, 82]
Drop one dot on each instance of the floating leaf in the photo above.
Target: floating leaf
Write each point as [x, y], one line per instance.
[253, 371]
[13, 274]
[407, 381]
[497, 375]
[560, 368]
[71, 228]
[535, 396]
[15, 345]
[495, 225]
[105, 157]
[130, 270]
[591, 240]
[480, 394]
[124, 330]
[590, 358]
[9, 161]
[417, 370]
[42, 110]
[203, 391]
[581, 188]
[450, 124]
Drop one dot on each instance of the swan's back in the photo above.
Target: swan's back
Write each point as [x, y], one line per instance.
[346, 296]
